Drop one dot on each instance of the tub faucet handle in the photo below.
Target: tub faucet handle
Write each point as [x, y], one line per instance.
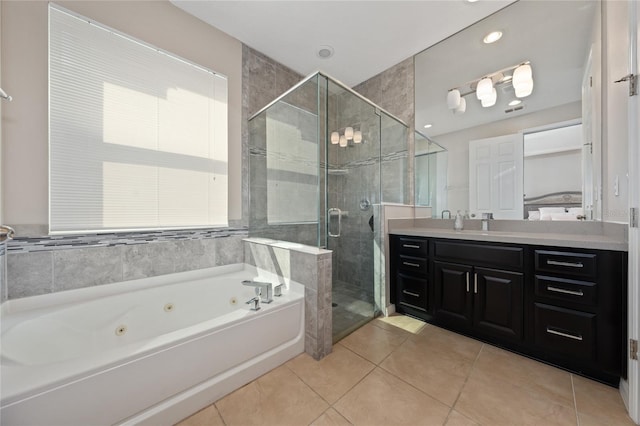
[277, 290]
[255, 303]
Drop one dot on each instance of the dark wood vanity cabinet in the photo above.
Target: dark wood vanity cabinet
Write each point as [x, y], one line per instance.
[563, 306]
[579, 309]
[411, 275]
[475, 298]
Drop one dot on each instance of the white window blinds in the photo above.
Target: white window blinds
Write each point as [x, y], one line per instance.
[138, 137]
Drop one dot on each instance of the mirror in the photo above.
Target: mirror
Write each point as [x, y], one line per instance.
[486, 165]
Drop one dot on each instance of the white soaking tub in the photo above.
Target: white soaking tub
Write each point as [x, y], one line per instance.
[148, 351]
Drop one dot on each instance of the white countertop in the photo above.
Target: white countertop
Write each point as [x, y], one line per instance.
[591, 241]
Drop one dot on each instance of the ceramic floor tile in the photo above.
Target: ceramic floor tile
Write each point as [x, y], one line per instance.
[448, 341]
[599, 402]
[333, 375]
[524, 372]
[401, 322]
[490, 401]
[277, 398]
[331, 418]
[588, 420]
[373, 343]
[457, 419]
[206, 417]
[434, 370]
[383, 399]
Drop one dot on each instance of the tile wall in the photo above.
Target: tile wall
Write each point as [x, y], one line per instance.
[39, 265]
[310, 267]
[263, 80]
[393, 90]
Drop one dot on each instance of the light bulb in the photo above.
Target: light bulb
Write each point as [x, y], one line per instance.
[335, 138]
[462, 107]
[348, 133]
[357, 136]
[484, 88]
[490, 100]
[492, 37]
[453, 99]
[524, 89]
[523, 80]
[343, 141]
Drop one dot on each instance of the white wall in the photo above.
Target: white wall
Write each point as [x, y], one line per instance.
[615, 107]
[566, 176]
[24, 59]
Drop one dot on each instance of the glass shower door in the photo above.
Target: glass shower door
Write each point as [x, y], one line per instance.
[352, 188]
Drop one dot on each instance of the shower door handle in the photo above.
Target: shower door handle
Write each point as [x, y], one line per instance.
[334, 211]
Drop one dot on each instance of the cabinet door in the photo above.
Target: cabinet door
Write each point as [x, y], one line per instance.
[498, 306]
[453, 294]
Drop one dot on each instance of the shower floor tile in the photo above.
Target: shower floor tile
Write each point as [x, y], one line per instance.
[352, 308]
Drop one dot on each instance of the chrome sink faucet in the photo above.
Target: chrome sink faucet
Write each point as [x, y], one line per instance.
[262, 289]
[486, 217]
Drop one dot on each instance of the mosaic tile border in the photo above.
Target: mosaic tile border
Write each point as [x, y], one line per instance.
[65, 242]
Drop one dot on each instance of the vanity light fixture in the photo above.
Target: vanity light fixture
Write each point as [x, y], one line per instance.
[335, 138]
[523, 80]
[492, 37]
[345, 135]
[519, 76]
[462, 107]
[484, 89]
[490, 100]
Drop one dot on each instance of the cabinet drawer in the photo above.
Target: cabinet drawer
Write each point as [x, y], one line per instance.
[565, 331]
[415, 265]
[412, 291]
[481, 254]
[415, 247]
[564, 289]
[574, 264]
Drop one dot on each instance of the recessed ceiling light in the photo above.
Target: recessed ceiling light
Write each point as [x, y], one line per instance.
[471, 1]
[427, 126]
[515, 102]
[324, 52]
[492, 37]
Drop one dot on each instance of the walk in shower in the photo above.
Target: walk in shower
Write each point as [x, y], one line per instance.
[321, 161]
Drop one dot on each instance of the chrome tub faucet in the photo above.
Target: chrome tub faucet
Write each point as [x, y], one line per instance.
[262, 289]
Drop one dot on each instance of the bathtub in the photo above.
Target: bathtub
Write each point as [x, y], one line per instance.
[148, 351]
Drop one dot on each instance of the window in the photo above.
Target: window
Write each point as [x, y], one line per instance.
[137, 136]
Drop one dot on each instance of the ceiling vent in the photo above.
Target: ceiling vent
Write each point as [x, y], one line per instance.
[513, 109]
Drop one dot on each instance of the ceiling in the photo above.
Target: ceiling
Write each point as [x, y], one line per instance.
[367, 37]
[558, 52]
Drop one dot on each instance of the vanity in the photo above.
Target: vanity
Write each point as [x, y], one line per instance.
[553, 296]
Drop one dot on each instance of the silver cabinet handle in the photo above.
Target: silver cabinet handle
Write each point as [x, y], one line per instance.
[410, 246]
[415, 265]
[567, 335]
[569, 264]
[565, 291]
[336, 211]
[467, 282]
[410, 293]
[475, 283]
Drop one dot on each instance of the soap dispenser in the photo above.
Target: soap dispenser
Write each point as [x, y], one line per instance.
[458, 224]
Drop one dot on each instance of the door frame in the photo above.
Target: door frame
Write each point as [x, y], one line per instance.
[633, 384]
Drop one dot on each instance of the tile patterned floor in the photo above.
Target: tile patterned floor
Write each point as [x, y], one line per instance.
[400, 371]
